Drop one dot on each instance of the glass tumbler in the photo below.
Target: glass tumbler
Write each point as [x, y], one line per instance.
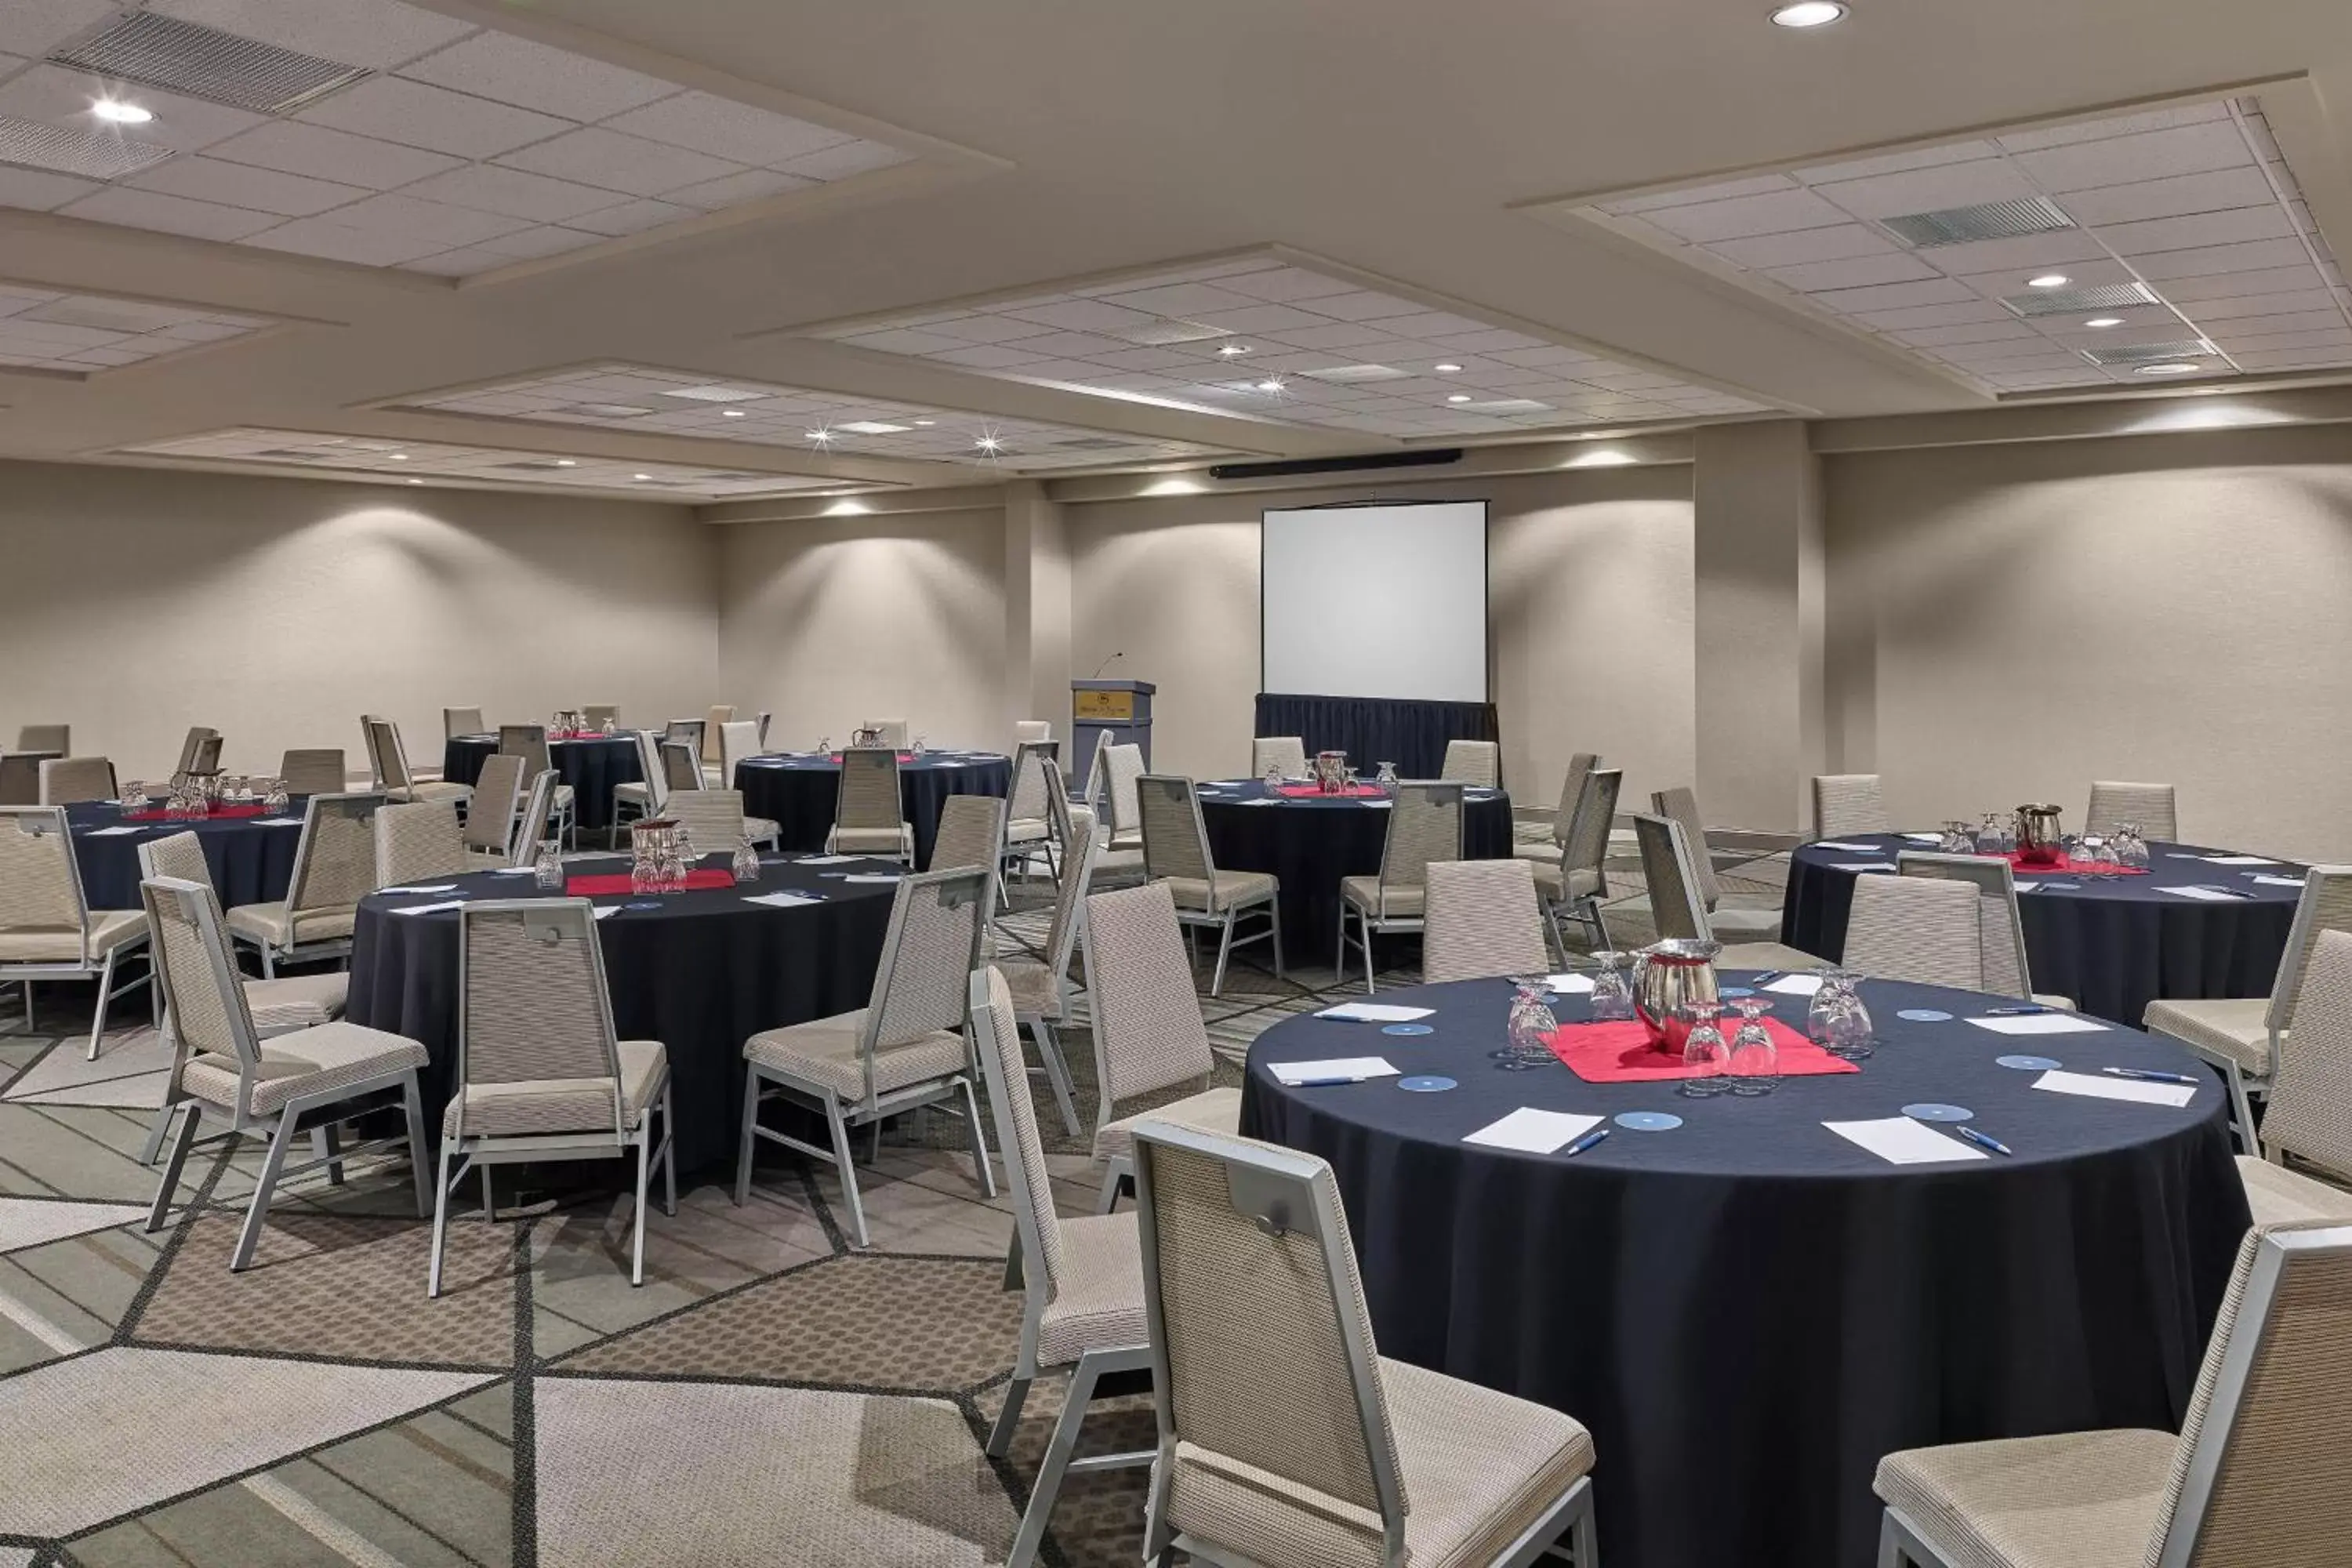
[1755, 1064]
[1613, 989]
[1531, 1024]
[1706, 1060]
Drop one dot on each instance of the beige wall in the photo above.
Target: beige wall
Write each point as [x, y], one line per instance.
[139, 603]
[2009, 623]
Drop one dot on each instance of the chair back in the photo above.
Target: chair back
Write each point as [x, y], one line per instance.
[1482, 919]
[1681, 803]
[1675, 907]
[535, 823]
[1587, 849]
[1916, 929]
[314, 771]
[1571, 789]
[928, 958]
[2326, 906]
[527, 742]
[1175, 840]
[457, 721]
[1424, 824]
[869, 789]
[688, 729]
[2310, 1110]
[738, 738]
[2150, 808]
[2000, 932]
[996, 1034]
[40, 880]
[67, 780]
[1288, 752]
[177, 856]
[533, 1008]
[371, 739]
[1057, 807]
[762, 722]
[1148, 1033]
[1473, 763]
[490, 811]
[192, 750]
[1122, 767]
[1848, 803]
[1030, 730]
[651, 772]
[1032, 760]
[1070, 900]
[713, 818]
[681, 772]
[203, 992]
[596, 715]
[334, 864]
[720, 715]
[20, 778]
[55, 739]
[417, 842]
[391, 758]
[970, 836]
[893, 731]
[2258, 1472]
[1262, 1348]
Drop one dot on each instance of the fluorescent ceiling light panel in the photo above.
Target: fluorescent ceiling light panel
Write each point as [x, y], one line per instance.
[715, 394]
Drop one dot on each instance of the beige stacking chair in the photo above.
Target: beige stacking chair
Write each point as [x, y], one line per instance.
[68, 781]
[2310, 1112]
[541, 1074]
[647, 794]
[1579, 881]
[714, 725]
[969, 837]
[334, 868]
[2242, 1035]
[1424, 824]
[1288, 752]
[263, 1088]
[1484, 919]
[48, 930]
[1029, 816]
[596, 715]
[490, 831]
[1916, 929]
[2000, 928]
[20, 778]
[535, 823]
[1149, 1037]
[1553, 850]
[1082, 1279]
[419, 842]
[714, 819]
[1040, 989]
[314, 772]
[1476, 763]
[52, 740]
[1847, 803]
[1285, 1435]
[1119, 770]
[457, 721]
[906, 1047]
[1668, 866]
[692, 733]
[2150, 808]
[681, 773]
[528, 743]
[2256, 1479]
[738, 738]
[1026, 729]
[389, 760]
[1176, 853]
[1681, 803]
[868, 815]
[894, 731]
[200, 751]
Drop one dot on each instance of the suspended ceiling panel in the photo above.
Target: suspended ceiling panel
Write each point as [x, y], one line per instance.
[2168, 245]
[375, 133]
[82, 334]
[1269, 339]
[681, 403]
[381, 459]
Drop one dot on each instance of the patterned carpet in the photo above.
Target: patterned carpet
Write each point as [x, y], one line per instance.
[769, 1395]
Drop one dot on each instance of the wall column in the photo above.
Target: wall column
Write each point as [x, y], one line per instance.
[1037, 611]
[1760, 594]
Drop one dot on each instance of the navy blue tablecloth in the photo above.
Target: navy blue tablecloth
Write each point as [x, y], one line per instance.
[593, 768]
[798, 791]
[701, 974]
[1749, 1311]
[1376, 729]
[1309, 843]
[251, 857]
[2112, 944]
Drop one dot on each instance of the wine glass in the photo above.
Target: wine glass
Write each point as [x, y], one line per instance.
[1843, 1027]
[1531, 1024]
[745, 864]
[1705, 1058]
[1612, 991]
[547, 866]
[1755, 1063]
[918, 746]
[279, 798]
[825, 745]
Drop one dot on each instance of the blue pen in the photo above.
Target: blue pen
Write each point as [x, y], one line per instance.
[1587, 1141]
[1981, 1141]
[1323, 1082]
[2150, 1075]
[2015, 1012]
[1764, 979]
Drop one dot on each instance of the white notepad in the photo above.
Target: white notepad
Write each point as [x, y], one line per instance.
[2141, 1090]
[785, 900]
[432, 909]
[1900, 1141]
[606, 912]
[2202, 895]
[829, 859]
[277, 822]
[1861, 866]
[514, 870]
[1378, 805]
[111, 832]
[2237, 860]
[2280, 881]
[1569, 985]
[875, 876]
[1263, 800]
[1373, 1013]
[1296, 1073]
[1796, 985]
[423, 887]
[1844, 847]
[1534, 1131]
[1925, 837]
[2040, 1024]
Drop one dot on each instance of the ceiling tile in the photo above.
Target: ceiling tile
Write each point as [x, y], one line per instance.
[733, 190]
[1339, 336]
[2108, 128]
[1969, 332]
[1834, 244]
[2256, 256]
[1933, 316]
[630, 217]
[236, 185]
[417, 115]
[1745, 217]
[513, 193]
[37, 190]
[1187, 301]
[2297, 279]
[53, 95]
[1897, 296]
[1081, 316]
[2293, 359]
[36, 26]
[1280, 285]
[2232, 227]
[1896, 163]
[1930, 190]
[2152, 154]
[989, 329]
[170, 214]
[630, 164]
[293, 148]
[714, 126]
[1683, 196]
[377, 33]
[333, 241]
[2314, 320]
[466, 261]
[2026, 253]
[2254, 306]
[843, 159]
[509, 69]
[2178, 196]
[435, 224]
[1854, 273]
[529, 244]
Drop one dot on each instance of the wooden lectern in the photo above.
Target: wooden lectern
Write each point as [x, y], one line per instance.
[1119, 709]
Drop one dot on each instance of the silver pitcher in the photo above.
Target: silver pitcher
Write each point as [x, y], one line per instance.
[1331, 771]
[1668, 977]
[2040, 840]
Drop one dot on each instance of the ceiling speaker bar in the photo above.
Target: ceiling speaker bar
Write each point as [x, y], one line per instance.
[1434, 456]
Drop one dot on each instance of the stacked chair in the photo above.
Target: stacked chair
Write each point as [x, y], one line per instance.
[1424, 824]
[1176, 854]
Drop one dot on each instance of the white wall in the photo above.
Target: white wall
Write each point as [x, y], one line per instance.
[277, 611]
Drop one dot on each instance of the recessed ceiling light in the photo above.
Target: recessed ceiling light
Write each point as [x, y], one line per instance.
[2048, 280]
[116, 112]
[1458, 397]
[641, 478]
[567, 463]
[2169, 367]
[1810, 14]
[731, 413]
[1272, 384]
[989, 444]
[926, 424]
[2104, 322]
[715, 394]
[1448, 369]
[417, 482]
[870, 428]
[1232, 351]
[820, 437]
[398, 457]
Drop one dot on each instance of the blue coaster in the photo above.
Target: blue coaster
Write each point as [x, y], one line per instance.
[643, 904]
[1925, 1014]
[1932, 1112]
[1406, 1029]
[1424, 1083]
[2031, 1064]
[1736, 991]
[1649, 1122]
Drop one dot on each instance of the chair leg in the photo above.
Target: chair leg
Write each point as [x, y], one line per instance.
[1057, 1464]
[1584, 1536]
[440, 1217]
[1274, 913]
[157, 1128]
[1224, 951]
[1364, 929]
[979, 1140]
[258, 1212]
[325, 1144]
[751, 1120]
[190, 1109]
[490, 1198]
[1339, 965]
[840, 1157]
[638, 1241]
[98, 1019]
[1016, 1393]
[268, 962]
[670, 1157]
[1890, 1545]
[1014, 1279]
[1115, 1176]
[1551, 924]
[2242, 1112]
[1057, 1072]
[412, 1102]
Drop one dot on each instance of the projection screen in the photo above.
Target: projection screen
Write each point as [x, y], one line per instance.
[1375, 601]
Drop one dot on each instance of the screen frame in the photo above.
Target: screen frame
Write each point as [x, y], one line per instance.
[1485, 506]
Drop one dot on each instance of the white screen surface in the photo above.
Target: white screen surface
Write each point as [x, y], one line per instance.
[1376, 601]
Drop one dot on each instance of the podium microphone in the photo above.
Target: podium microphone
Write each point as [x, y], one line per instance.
[1106, 664]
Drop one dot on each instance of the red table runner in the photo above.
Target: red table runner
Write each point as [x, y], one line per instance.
[903, 756]
[218, 814]
[1621, 1052]
[619, 882]
[1317, 792]
[2067, 866]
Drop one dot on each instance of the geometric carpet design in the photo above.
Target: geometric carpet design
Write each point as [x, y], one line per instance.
[769, 1396]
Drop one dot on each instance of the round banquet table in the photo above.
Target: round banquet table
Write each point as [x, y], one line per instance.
[250, 852]
[2110, 943]
[799, 790]
[1310, 841]
[701, 974]
[593, 768]
[1748, 1310]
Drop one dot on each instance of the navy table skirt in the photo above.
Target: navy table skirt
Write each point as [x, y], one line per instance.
[1309, 843]
[2112, 944]
[799, 790]
[1376, 729]
[251, 857]
[702, 973]
[593, 768]
[1748, 1310]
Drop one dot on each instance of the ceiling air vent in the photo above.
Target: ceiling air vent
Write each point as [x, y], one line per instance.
[604, 410]
[91, 155]
[288, 454]
[205, 62]
[1093, 444]
[1344, 373]
[2082, 301]
[1991, 220]
[2151, 354]
[535, 466]
[1166, 331]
